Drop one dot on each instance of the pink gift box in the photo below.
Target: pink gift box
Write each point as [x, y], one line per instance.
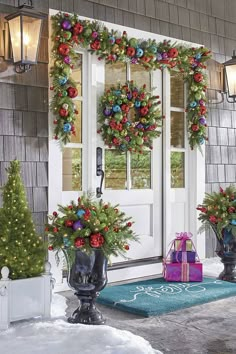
[183, 272]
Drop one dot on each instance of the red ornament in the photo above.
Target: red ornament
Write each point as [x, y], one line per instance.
[118, 40]
[144, 111]
[106, 228]
[198, 77]
[46, 229]
[231, 210]
[68, 223]
[173, 53]
[203, 110]
[55, 229]
[213, 219]
[125, 108]
[195, 127]
[96, 240]
[70, 207]
[55, 121]
[78, 28]
[64, 49]
[50, 248]
[130, 51]
[129, 224]
[54, 213]
[63, 112]
[79, 242]
[72, 92]
[95, 45]
[126, 247]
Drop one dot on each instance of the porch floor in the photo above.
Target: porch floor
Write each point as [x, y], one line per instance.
[207, 328]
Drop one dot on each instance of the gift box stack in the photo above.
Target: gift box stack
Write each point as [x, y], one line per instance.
[182, 262]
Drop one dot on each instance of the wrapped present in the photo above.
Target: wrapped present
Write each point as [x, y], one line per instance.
[183, 272]
[183, 244]
[182, 256]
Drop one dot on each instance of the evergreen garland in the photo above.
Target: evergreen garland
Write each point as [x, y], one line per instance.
[21, 249]
[69, 30]
[88, 225]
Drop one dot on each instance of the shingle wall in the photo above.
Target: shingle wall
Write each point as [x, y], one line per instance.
[209, 22]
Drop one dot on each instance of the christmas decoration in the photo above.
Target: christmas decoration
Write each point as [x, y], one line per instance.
[112, 47]
[21, 249]
[116, 128]
[89, 225]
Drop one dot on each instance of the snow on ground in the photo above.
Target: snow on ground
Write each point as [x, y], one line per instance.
[57, 336]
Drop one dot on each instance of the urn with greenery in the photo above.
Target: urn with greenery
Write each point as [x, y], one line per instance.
[218, 211]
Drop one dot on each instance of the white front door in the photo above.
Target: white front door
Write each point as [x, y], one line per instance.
[133, 181]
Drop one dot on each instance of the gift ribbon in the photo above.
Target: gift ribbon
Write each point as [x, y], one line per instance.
[185, 272]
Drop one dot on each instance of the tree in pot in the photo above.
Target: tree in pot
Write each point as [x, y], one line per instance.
[21, 249]
[218, 211]
[89, 232]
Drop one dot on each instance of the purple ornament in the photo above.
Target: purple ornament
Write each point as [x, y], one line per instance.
[164, 56]
[107, 112]
[66, 25]
[67, 59]
[202, 103]
[94, 34]
[159, 56]
[134, 61]
[139, 126]
[129, 95]
[77, 225]
[202, 120]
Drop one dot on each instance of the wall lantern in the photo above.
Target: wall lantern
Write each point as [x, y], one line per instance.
[230, 79]
[25, 27]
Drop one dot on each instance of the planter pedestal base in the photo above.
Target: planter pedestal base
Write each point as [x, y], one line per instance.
[229, 272]
[87, 313]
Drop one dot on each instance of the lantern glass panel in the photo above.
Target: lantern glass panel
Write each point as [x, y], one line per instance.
[15, 33]
[31, 33]
[231, 79]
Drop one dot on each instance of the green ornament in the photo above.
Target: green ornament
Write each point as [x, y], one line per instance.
[87, 32]
[194, 88]
[123, 132]
[144, 103]
[118, 116]
[198, 96]
[153, 108]
[133, 42]
[67, 70]
[64, 93]
[139, 140]
[58, 64]
[67, 35]
[119, 102]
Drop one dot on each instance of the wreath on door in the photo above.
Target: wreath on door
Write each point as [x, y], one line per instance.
[129, 117]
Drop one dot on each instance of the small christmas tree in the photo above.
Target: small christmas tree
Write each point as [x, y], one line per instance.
[21, 249]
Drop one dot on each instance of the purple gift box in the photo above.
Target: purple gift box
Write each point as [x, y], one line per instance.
[183, 272]
[189, 256]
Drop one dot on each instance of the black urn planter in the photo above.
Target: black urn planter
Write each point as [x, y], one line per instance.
[226, 250]
[88, 276]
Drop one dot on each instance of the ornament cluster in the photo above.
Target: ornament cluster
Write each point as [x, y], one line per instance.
[116, 127]
[219, 209]
[88, 225]
[69, 30]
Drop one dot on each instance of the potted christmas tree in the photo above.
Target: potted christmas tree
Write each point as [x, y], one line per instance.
[22, 256]
[89, 232]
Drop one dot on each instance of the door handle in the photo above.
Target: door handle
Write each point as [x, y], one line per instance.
[99, 172]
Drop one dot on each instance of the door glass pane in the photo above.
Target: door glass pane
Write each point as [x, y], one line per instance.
[177, 90]
[72, 169]
[77, 74]
[140, 76]
[78, 122]
[141, 170]
[177, 170]
[177, 129]
[115, 170]
[114, 73]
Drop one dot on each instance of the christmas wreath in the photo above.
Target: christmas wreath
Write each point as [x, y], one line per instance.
[69, 30]
[89, 225]
[116, 127]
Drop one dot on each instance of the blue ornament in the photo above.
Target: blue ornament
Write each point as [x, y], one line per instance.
[233, 222]
[112, 39]
[80, 212]
[201, 140]
[67, 127]
[139, 52]
[122, 147]
[116, 108]
[137, 104]
[159, 56]
[66, 242]
[62, 80]
[153, 49]
[129, 95]
[193, 104]
[117, 92]
[198, 56]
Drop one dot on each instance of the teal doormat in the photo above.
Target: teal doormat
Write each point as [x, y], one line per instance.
[156, 296]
